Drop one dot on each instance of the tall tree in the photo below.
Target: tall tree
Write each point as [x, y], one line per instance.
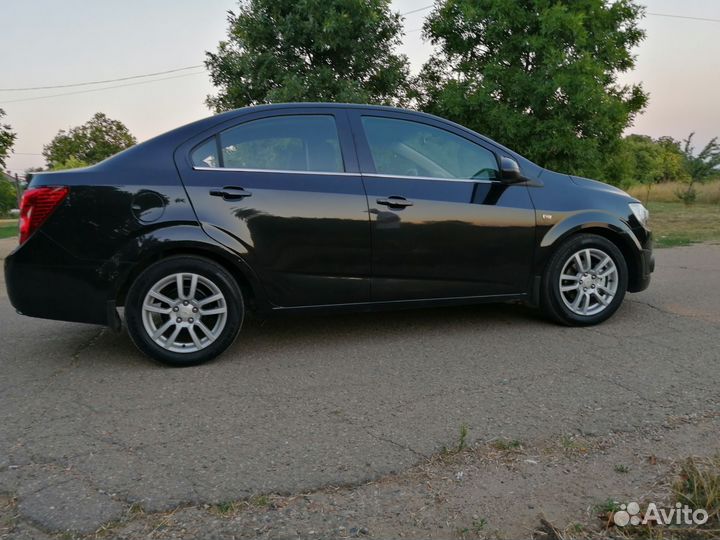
[95, 140]
[8, 197]
[7, 140]
[537, 75]
[672, 159]
[701, 167]
[639, 158]
[309, 50]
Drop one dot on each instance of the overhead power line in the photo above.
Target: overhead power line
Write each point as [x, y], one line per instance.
[653, 13]
[101, 82]
[186, 68]
[683, 17]
[416, 10]
[670, 15]
[101, 89]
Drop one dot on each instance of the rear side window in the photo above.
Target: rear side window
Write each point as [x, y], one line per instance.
[206, 155]
[407, 148]
[281, 143]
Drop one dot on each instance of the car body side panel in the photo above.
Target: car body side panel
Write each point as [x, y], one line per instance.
[44, 280]
[132, 209]
[113, 217]
[564, 208]
[459, 237]
[306, 235]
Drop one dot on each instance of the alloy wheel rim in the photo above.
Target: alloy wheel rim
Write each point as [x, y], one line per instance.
[588, 282]
[184, 312]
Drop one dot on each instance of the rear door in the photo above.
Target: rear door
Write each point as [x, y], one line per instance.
[282, 189]
[443, 225]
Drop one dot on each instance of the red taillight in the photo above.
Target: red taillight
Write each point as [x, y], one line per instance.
[36, 206]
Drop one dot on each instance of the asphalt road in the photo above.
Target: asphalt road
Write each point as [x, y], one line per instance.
[89, 426]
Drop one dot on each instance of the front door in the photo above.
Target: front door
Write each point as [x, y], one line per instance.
[443, 225]
[283, 190]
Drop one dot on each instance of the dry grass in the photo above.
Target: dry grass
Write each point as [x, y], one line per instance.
[675, 224]
[667, 192]
[699, 486]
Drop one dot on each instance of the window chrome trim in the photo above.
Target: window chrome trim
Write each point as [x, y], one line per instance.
[282, 171]
[402, 177]
[344, 173]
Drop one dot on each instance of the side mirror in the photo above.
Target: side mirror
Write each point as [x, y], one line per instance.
[510, 171]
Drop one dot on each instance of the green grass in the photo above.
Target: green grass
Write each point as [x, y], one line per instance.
[675, 224]
[8, 229]
[607, 506]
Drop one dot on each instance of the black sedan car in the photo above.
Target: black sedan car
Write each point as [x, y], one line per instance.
[317, 207]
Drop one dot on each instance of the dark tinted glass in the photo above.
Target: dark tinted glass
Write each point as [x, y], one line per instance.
[284, 143]
[406, 148]
[205, 155]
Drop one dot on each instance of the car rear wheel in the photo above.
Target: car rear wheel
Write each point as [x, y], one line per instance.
[184, 310]
[585, 281]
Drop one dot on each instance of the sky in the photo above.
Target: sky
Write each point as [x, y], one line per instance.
[46, 42]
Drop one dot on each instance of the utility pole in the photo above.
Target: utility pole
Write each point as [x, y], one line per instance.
[18, 191]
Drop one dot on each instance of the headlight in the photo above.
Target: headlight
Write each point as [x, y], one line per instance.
[641, 213]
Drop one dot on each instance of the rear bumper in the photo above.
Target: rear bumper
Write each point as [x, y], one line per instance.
[47, 282]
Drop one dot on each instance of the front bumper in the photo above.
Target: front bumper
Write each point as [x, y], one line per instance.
[647, 267]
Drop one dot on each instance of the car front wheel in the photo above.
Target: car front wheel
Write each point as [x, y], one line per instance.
[585, 281]
[184, 310]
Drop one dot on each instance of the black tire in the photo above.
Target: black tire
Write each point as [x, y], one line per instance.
[209, 270]
[551, 301]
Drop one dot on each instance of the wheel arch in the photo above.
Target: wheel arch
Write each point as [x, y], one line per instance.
[244, 276]
[600, 224]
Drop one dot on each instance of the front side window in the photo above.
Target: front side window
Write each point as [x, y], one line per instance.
[282, 143]
[407, 148]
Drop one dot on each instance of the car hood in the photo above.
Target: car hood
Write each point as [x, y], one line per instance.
[594, 185]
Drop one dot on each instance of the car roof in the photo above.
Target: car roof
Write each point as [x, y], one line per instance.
[172, 138]
[228, 115]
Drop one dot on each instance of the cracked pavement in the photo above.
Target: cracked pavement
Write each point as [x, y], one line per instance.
[91, 427]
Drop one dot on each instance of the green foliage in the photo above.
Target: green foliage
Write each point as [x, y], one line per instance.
[29, 172]
[700, 167]
[8, 197]
[539, 76]
[97, 139]
[7, 140]
[309, 50]
[642, 159]
[688, 195]
[705, 165]
[71, 163]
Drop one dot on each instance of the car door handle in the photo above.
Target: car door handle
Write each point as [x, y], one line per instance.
[395, 202]
[230, 193]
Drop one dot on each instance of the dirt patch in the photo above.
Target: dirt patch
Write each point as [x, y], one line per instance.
[556, 488]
